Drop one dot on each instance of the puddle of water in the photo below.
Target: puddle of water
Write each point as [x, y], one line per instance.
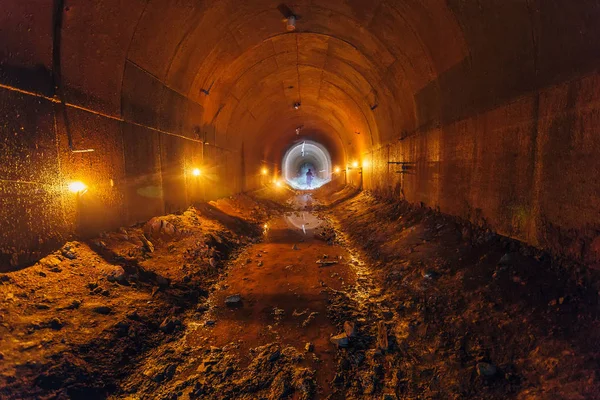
[304, 221]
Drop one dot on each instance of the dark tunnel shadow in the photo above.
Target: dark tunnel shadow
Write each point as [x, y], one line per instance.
[231, 222]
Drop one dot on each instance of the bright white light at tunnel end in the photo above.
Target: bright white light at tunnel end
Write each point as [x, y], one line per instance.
[306, 154]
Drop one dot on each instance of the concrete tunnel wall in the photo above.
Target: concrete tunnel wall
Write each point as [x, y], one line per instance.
[494, 106]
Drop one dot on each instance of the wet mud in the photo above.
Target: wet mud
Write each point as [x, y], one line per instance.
[325, 294]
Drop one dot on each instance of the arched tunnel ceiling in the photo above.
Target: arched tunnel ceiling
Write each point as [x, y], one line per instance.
[354, 66]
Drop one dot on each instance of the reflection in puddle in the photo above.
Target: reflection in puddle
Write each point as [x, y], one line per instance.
[303, 220]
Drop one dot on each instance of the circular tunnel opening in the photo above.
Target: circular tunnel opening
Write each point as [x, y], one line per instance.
[306, 165]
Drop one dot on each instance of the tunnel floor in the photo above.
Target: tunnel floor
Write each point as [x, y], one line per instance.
[330, 294]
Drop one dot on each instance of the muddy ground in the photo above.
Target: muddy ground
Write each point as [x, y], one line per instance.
[328, 294]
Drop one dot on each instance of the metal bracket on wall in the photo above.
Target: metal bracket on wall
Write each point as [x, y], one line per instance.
[405, 165]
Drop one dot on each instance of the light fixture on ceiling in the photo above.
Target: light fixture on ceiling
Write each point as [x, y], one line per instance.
[291, 23]
[289, 17]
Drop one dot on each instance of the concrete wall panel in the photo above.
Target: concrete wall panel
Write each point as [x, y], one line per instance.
[101, 207]
[143, 179]
[141, 96]
[93, 47]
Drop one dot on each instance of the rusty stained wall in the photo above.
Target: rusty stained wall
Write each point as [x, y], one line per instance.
[495, 102]
[509, 138]
[146, 136]
[134, 172]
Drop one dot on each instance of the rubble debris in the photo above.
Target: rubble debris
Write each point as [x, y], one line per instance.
[104, 310]
[486, 370]
[340, 340]
[325, 263]
[350, 328]
[233, 300]
[309, 319]
[170, 324]
[148, 246]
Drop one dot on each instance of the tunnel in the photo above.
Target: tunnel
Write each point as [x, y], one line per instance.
[162, 117]
[304, 157]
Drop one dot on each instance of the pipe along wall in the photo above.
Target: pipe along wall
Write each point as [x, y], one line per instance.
[487, 111]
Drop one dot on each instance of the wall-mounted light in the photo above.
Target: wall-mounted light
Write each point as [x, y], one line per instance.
[264, 171]
[278, 183]
[77, 187]
[196, 172]
[337, 170]
[365, 163]
[354, 164]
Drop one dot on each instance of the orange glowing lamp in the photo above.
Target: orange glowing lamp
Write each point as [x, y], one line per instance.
[196, 172]
[264, 171]
[355, 164]
[337, 170]
[77, 187]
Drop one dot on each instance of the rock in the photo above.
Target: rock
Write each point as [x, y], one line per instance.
[162, 281]
[50, 261]
[148, 246]
[429, 274]
[274, 356]
[104, 310]
[260, 263]
[92, 285]
[42, 306]
[68, 254]
[118, 275]
[55, 324]
[169, 325]
[210, 322]
[42, 274]
[340, 340]
[309, 347]
[134, 316]
[213, 262]
[295, 247]
[161, 375]
[158, 228]
[350, 329]
[486, 370]
[382, 337]
[122, 328]
[388, 396]
[202, 308]
[233, 300]
[74, 304]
